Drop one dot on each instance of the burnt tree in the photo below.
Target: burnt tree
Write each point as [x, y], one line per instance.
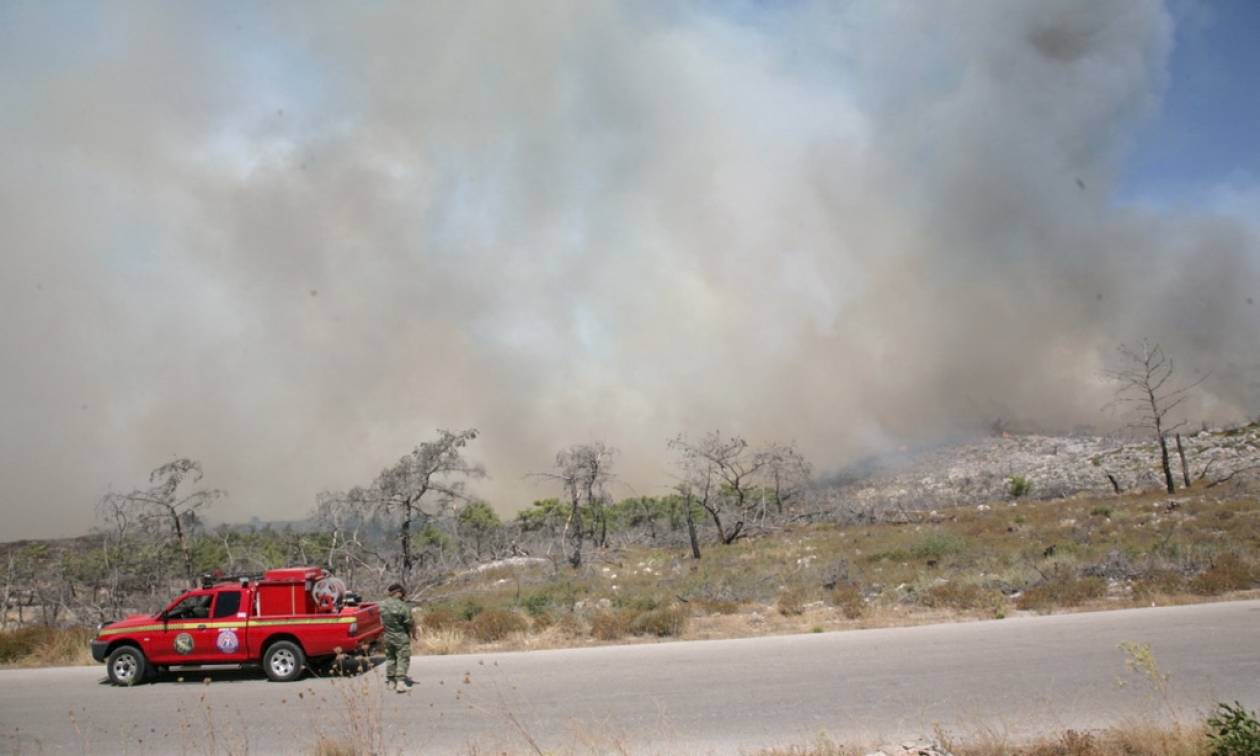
[433, 475]
[1147, 391]
[165, 507]
[584, 471]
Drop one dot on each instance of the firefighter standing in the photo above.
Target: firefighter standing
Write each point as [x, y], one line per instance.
[400, 630]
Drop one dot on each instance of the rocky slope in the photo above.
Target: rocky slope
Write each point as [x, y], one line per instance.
[1047, 467]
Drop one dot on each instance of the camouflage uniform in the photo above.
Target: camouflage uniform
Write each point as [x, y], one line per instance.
[396, 617]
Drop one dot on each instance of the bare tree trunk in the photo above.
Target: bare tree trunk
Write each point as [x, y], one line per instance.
[1115, 484]
[575, 536]
[405, 536]
[1163, 459]
[717, 520]
[183, 544]
[8, 592]
[1185, 469]
[691, 529]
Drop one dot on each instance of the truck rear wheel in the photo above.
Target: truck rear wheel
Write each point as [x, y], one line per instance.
[284, 661]
[126, 666]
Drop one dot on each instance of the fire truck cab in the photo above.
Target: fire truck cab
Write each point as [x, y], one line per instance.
[282, 620]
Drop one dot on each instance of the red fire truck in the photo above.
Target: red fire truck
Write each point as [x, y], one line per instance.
[283, 619]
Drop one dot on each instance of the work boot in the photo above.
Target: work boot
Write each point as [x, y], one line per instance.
[402, 687]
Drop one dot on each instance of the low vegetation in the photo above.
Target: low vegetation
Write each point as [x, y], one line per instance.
[970, 563]
[985, 562]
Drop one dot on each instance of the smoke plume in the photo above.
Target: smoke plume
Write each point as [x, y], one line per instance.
[291, 241]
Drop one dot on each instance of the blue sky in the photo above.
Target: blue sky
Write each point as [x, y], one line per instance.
[1208, 128]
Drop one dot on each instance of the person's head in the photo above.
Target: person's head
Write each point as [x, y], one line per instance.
[395, 589]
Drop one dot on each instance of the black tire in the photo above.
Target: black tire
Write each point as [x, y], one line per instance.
[284, 661]
[127, 666]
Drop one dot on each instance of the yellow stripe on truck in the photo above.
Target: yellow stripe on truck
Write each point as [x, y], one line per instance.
[321, 621]
[132, 629]
[234, 623]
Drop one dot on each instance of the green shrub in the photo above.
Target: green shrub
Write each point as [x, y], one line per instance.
[1020, 486]
[662, 622]
[469, 609]
[496, 624]
[536, 604]
[1233, 731]
[937, 546]
[1100, 512]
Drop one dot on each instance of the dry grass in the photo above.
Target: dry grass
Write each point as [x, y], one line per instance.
[443, 642]
[791, 600]
[956, 594]
[848, 597]
[40, 646]
[1132, 739]
[663, 622]
[496, 624]
[1062, 588]
[1229, 572]
[352, 721]
[611, 625]
[1122, 740]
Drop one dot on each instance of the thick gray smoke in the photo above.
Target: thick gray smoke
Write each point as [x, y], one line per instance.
[289, 243]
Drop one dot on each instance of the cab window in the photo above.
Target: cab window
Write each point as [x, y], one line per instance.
[227, 604]
[195, 606]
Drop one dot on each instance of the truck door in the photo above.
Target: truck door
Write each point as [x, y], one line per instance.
[185, 637]
[227, 627]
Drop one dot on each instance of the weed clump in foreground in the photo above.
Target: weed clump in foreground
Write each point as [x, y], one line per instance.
[1233, 731]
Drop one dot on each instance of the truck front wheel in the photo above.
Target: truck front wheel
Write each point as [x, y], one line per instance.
[284, 661]
[126, 666]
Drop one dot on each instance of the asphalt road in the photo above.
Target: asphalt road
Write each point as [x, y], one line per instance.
[1015, 675]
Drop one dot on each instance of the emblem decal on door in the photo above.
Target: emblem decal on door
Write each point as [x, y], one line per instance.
[227, 642]
[183, 643]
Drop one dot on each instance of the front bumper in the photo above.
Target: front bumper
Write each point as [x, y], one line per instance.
[99, 647]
